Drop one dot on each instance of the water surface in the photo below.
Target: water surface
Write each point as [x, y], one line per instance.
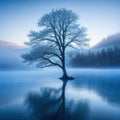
[36, 95]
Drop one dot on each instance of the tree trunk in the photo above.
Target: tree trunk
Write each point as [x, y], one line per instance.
[65, 76]
[64, 72]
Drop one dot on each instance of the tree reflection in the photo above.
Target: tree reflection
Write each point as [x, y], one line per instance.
[50, 104]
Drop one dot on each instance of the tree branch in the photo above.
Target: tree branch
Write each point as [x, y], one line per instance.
[55, 64]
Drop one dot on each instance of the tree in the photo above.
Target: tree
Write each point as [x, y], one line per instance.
[58, 30]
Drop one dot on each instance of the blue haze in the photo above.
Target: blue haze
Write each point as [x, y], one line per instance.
[95, 91]
[18, 17]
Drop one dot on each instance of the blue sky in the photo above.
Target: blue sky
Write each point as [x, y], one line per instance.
[19, 17]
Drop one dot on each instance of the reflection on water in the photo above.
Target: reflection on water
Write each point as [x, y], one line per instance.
[50, 104]
[93, 95]
[106, 86]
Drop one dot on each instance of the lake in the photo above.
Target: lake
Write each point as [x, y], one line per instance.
[94, 94]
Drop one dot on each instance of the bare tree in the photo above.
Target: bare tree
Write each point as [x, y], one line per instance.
[58, 30]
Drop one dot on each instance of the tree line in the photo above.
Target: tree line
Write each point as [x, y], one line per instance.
[109, 57]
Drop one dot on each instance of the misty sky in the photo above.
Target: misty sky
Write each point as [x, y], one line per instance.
[18, 17]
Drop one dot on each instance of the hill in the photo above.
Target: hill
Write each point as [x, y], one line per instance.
[109, 42]
[10, 56]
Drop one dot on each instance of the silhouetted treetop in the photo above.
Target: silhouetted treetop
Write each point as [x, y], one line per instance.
[59, 29]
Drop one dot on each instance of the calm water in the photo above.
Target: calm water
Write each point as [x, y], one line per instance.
[37, 95]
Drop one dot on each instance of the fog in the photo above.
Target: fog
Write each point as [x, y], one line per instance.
[95, 90]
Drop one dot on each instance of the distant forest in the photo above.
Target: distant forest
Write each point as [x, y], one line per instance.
[109, 57]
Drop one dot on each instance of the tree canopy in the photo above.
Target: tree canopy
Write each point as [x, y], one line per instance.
[58, 30]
